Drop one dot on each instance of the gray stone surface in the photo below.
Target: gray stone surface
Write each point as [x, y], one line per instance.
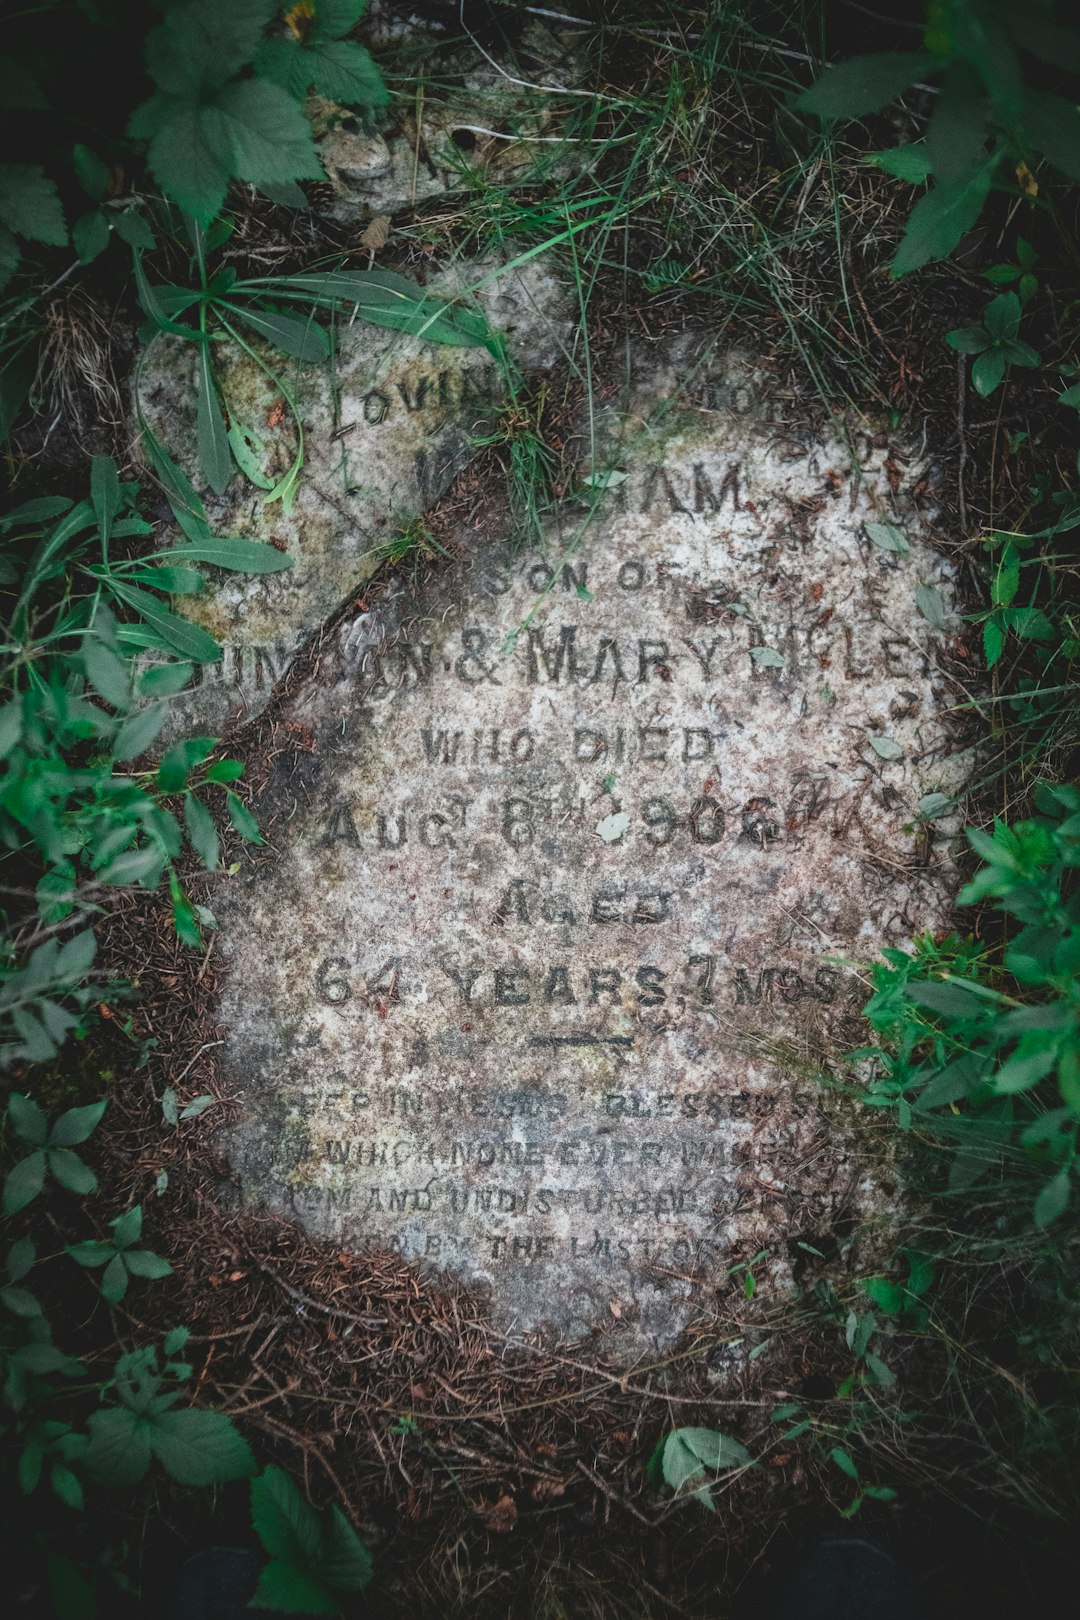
[535, 988]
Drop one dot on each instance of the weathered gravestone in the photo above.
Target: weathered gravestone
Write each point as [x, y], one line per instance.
[535, 990]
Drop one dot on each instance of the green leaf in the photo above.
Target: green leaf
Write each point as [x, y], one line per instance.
[865, 84]
[70, 1171]
[127, 1228]
[202, 832]
[987, 370]
[185, 920]
[165, 680]
[189, 160]
[109, 675]
[939, 220]
[114, 1280]
[131, 228]
[200, 1448]
[993, 642]
[175, 1340]
[385, 299]
[91, 1252]
[27, 1119]
[66, 1485]
[242, 819]
[90, 235]
[887, 1296]
[886, 747]
[145, 1263]
[264, 134]
[766, 658]
[956, 133]
[23, 1183]
[189, 640]
[910, 163]
[1001, 317]
[20, 1260]
[947, 1000]
[1053, 125]
[29, 204]
[215, 457]
[1053, 1199]
[303, 340]
[241, 556]
[929, 601]
[888, 537]
[226, 770]
[180, 760]
[844, 1461]
[119, 1450]
[20, 1302]
[1025, 1069]
[284, 1589]
[345, 1560]
[968, 339]
[140, 730]
[104, 494]
[283, 1518]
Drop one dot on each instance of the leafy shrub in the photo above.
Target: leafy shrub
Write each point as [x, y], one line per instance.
[992, 122]
[973, 1044]
[311, 1555]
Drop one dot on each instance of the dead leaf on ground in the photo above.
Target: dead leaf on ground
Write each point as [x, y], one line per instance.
[377, 233]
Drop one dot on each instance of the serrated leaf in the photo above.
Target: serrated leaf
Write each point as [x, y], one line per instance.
[285, 1589]
[283, 1518]
[345, 1561]
[261, 134]
[29, 204]
[119, 1450]
[200, 1448]
[189, 160]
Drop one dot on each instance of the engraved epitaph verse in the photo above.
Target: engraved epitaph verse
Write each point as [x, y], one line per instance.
[535, 990]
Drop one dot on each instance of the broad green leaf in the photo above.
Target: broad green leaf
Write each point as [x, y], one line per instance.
[931, 605]
[114, 1280]
[119, 1450]
[179, 760]
[27, 1119]
[345, 1560]
[213, 441]
[1052, 123]
[987, 370]
[225, 770]
[246, 446]
[201, 44]
[20, 1302]
[910, 163]
[993, 642]
[303, 340]
[1053, 1199]
[200, 1448]
[75, 1125]
[145, 1263]
[189, 158]
[947, 1000]
[1025, 1069]
[143, 866]
[968, 339]
[91, 1252]
[886, 747]
[21, 1258]
[957, 131]
[24, 1182]
[202, 832]
[888, 537]
[939, 220]
[887, 1296]
[29, 204]
[90, 236]
[131, 228]
[283, 1518]
[165, 680]
[261, 133]
[865, 84]
[71, 1172]
[284, 1589]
